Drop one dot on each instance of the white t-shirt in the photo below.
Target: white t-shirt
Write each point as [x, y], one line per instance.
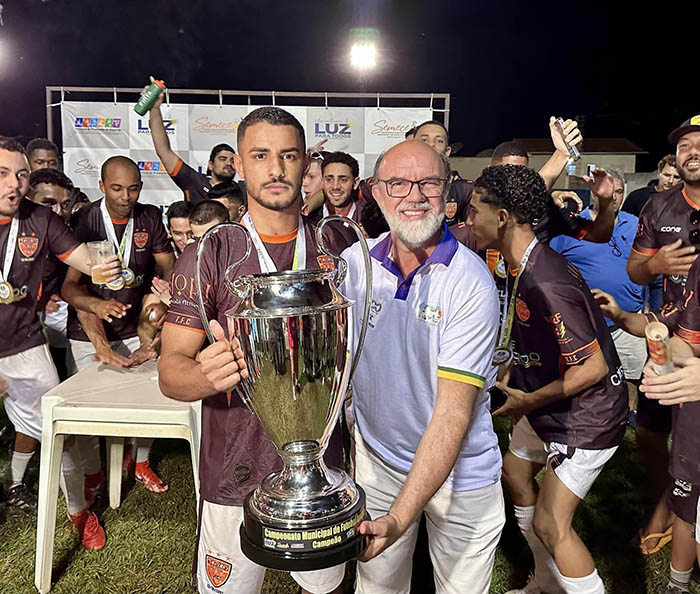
[442, 321]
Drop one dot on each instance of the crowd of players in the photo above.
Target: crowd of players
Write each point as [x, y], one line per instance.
[489, 297]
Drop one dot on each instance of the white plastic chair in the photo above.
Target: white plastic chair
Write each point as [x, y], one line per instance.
[111, 402]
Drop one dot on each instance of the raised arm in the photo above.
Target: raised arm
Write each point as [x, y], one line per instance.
[160, 137]
[552, 169]
[671, 260]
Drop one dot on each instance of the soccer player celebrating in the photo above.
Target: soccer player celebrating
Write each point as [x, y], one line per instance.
[564, 379]
[235, 454]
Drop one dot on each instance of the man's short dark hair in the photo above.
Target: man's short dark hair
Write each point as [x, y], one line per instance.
[208, 212]
[516, 188]
[220, 148]
[667, 160]
[179, 210]
[37, 144]
[345, 159]
[12, 145]
[270, 115]
[431, 123]
[119, 159]
[50, 176]
[511, 148]
[231, 191]
[410, 133]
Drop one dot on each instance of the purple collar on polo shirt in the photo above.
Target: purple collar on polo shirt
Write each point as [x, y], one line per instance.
[442, 254]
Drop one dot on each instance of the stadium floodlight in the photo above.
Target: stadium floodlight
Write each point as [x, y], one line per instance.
[363, 55]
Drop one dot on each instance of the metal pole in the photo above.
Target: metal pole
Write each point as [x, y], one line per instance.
[49, 115]
[447, 111]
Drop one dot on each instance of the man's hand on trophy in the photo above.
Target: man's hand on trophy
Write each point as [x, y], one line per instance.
[381, 533]
[222, 363]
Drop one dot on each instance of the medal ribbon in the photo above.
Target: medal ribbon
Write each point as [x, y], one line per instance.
[10, 249]
[266, 263]
[507, 321]
[124, 247]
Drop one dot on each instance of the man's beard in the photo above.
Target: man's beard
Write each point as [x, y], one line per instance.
[226, 175]
[415, 234]
[273, 204]
[689, 177]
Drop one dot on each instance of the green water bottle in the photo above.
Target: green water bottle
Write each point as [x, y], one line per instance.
[147, 100]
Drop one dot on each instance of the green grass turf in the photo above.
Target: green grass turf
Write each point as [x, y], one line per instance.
[150, 538]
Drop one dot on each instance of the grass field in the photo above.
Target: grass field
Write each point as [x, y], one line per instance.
[150, 538]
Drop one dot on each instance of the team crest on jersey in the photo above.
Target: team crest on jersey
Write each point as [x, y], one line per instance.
[218, 570]
[140, 238]
[430, 312]
[325, 262]
[450, 209]
[522, 310]
[559, 328]
[28, 245]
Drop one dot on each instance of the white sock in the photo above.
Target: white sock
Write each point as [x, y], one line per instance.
[18, 466]
[589, 584]
[72, 480]
[547, 574]
[89, 447]
[680, 579]
[143, 450]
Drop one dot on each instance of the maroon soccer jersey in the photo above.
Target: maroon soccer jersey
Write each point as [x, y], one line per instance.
[557, 323]
[149, 238]
[458, 199]
[235, 453]
[41, 232]
[195, 185]
[663, 220]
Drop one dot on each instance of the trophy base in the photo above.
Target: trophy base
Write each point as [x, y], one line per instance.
[318, 545]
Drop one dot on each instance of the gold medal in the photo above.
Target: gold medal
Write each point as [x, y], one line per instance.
[502, 356]
[116, 285]
[128, 276]
[6, 292]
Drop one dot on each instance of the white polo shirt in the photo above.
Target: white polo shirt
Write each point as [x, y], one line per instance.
[441, 321]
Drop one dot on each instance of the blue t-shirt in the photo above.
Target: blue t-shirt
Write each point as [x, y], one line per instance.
[604, 265]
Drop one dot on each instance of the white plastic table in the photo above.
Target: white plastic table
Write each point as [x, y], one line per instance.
[104, 401]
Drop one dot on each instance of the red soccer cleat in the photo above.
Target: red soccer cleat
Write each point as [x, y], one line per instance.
[144, 474]
[92, 535]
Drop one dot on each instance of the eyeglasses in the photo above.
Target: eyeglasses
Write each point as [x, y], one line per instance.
[615, 249]
[432, 187]
[694, 235]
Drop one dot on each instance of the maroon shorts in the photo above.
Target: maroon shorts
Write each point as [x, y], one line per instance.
[683, 500]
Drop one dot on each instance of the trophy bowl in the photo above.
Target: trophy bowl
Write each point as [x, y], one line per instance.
[295, 330]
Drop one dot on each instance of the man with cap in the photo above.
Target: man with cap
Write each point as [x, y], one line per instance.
[667, 236]
[194, 184]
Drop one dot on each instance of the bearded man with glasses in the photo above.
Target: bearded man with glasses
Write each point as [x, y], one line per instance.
[424, 438]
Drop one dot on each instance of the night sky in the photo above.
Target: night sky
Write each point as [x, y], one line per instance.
[508, 65]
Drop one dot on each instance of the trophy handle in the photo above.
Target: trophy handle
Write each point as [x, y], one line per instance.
[236, 286]
[340, 277]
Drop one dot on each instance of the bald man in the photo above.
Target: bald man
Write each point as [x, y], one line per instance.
[144, 248]
[426, 443]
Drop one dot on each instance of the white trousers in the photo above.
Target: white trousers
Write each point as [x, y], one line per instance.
[222, 568]
[463, 530]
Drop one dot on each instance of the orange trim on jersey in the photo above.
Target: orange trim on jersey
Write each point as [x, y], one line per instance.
[492, 259]
[120, 221]
[197, 330]
[593, 344]
[584, 231]
[187, 196]
[5, 221]
[41, 291]
[653, 315]
[62, 257]
[687, 301]
[162, 254]
[642, 251]
[278, 238]
[176, 169]
[688, 200]
[689, 336]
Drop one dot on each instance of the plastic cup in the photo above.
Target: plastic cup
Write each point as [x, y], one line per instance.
[99, 251]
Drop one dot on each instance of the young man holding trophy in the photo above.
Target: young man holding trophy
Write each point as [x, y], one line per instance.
[236, 454]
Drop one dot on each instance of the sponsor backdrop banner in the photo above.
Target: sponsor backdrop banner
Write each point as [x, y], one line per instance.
[94, 131]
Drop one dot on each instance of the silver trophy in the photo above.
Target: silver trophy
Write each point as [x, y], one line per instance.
[296, 334]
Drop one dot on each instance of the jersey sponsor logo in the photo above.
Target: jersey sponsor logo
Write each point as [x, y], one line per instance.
[618, 377]
[559, 328]
[450, 209]
[28, 245]
[98, 123]
[141, 238]
[374, 310]
[670, 229]
[678, 279]
[430, 312]
[522, 310]
[325, 262]
[183, 286]
[218, 570]
[527, 359]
